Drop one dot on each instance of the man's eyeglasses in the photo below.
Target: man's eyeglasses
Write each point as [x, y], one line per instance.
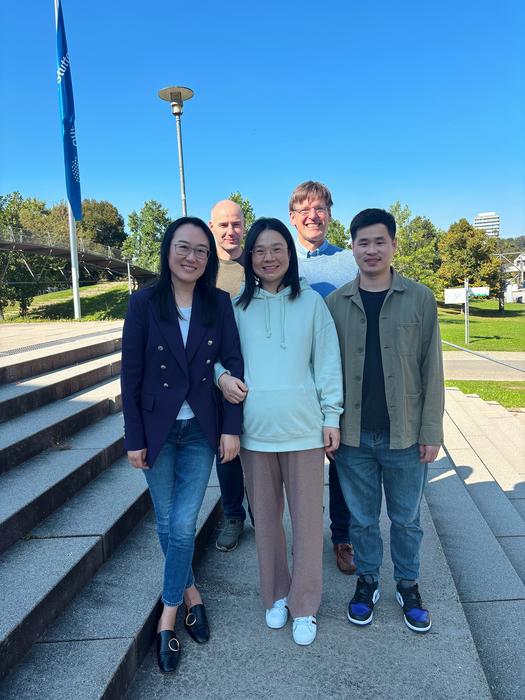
[320, 211]
[183, 250]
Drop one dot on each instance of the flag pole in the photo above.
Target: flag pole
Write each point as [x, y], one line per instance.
[73, 250]
[67, 112]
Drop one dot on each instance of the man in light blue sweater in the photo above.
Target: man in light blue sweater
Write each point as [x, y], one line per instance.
[326, 268]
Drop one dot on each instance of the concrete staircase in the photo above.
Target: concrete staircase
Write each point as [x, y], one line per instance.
[80, 566]
[476, 495]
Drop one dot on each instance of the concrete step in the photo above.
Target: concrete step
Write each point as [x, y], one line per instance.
[490, 466]
[498, 423]
[33, 489]
[520, 417]
[512, 450]
[490, 445]
[40, 575]
[96, 644]
[506, 523]
[23, 437]
[490, 589]
[345, 662]
[504, 473]
[26, 395]
[34, 362]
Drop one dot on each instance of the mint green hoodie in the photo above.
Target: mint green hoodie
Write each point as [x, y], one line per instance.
[292, 367]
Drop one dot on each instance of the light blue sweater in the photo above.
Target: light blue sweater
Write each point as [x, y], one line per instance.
[292, 369]
[327, 268]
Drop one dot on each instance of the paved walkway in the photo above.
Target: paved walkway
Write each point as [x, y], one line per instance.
[29, 336]
[463, 365]
[245, 659]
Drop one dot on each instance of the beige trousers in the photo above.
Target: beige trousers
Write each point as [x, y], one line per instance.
[301, 472]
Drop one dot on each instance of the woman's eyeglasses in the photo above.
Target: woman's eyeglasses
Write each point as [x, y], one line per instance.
[277, 251]
[183, 250]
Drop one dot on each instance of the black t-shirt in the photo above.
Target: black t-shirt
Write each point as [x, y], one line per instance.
[374, 412]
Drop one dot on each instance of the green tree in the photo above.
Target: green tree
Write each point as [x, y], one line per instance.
[417, 253]
[31, 218]
[33, 215]
[337, 235]
[21, 276]
[401, 214]
[468, 252]
[10, 206]
[58, 225]
[101, 223]
[23, 279]
[511, 245]
[147, 227]
[12, 267]
[247, 209]
[418, 257]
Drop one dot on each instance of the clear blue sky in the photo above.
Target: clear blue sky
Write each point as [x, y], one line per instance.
[422, 102]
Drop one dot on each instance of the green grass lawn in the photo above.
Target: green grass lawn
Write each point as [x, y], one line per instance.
[488, 329]
[508, 394]
[99, 302]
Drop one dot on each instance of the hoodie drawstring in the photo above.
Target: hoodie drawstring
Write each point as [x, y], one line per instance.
[267, 317]
[283, 315]
[267, 320]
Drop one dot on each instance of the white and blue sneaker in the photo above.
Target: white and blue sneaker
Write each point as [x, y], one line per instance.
[277, 616]
[304, 630]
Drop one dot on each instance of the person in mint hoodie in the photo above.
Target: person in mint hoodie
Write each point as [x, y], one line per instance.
[293, 402]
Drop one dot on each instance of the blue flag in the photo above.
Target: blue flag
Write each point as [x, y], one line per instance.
[67, 111]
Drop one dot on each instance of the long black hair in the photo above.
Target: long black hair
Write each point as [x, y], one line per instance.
[291, 278]
[205, 287]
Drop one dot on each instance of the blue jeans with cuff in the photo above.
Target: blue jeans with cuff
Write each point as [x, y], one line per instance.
[177, 482]
[363, 471]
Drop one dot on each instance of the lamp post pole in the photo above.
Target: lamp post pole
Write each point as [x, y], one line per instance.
[177, 96]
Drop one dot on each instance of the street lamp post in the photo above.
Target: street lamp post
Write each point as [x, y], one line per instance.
[177, 96]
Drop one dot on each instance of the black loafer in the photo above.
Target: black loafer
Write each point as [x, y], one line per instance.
[196, 623]
[168, 651]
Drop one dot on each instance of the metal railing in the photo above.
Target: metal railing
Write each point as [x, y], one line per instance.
[483, 357]
[53, 240]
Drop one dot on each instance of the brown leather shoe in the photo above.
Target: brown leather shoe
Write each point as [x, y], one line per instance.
[344, 555]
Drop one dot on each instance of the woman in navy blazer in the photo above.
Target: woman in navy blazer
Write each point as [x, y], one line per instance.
[173, 334]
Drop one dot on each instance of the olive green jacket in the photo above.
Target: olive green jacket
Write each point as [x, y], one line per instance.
[412, 361]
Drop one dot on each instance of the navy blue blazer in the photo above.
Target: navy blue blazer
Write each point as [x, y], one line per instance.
[158, 373]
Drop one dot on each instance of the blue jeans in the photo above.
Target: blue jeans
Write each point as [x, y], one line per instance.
[361, 471]
[339, 515]
[231, 481]
[177, 483]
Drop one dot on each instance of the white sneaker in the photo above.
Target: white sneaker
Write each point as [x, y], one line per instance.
[304, 630]
[277, 616]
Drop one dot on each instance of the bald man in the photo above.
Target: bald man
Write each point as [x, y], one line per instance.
[227, 226]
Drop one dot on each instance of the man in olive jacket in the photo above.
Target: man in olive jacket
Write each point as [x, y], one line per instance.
[392, 424]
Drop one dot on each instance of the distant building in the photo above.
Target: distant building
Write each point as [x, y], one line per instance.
[488, 221]
[515, 267]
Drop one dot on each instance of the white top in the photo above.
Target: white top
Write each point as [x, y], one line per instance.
[185, 412]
